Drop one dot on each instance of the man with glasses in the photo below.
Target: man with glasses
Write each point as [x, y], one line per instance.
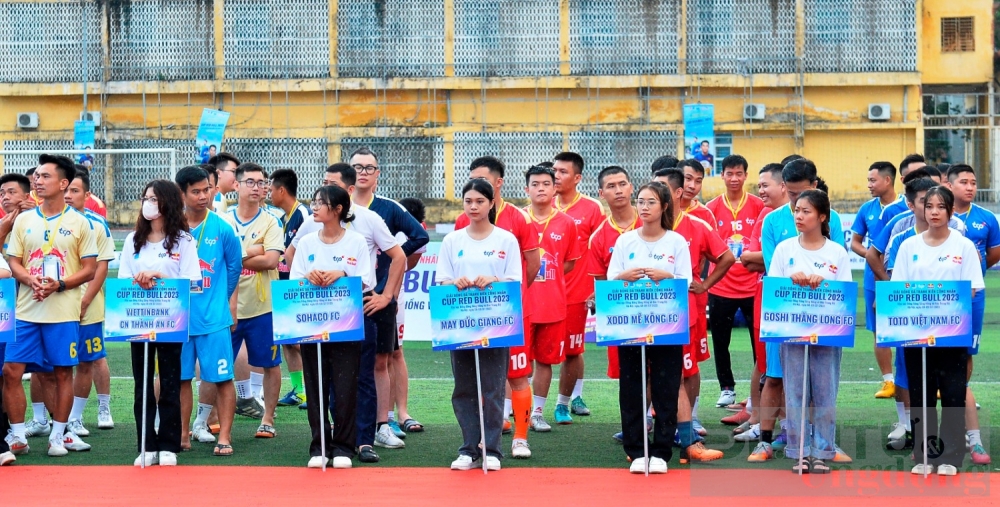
[226, 165]
[260, 234]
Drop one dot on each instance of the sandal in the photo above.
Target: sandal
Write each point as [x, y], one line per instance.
[804, 465]
[412, 426]
[265, 431]
[220, 448]
[819, 467]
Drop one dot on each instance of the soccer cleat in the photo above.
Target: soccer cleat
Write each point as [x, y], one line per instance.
[761, 453]
[618, 437]
[151, 458]
[728, 397]
[841, 456]
[538, 424]
[780, 442]
[249, 407]
[562, 415]
[897, 437]
[18, 445]
[57, 448]
[34, 428]
[750, 435]
[168, 459]
[507, 427]
[342, 462]
[464, 462]
[519, 449]
[947, 470]
[7, 458]
[979, 456]
[736, 419]
[492, 463]
[104, 420]
[77, 428]
[201, 433]
[698, 452]
[317, 462]
[291, 399]
[396, 430]
[73, 443]
[385, 438]
[578, 407]
[887, 390]
[698, 428]
[921, 469]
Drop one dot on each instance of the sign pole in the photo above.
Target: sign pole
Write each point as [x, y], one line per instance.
[145, 386]
[923, 360]
[482, 422]
[324, 427]
[645, 436]
[802, 423]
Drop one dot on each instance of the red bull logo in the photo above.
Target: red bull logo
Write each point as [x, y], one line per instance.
[207, 270]
[351, 261]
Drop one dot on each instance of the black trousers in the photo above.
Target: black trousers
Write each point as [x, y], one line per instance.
[341, 365]
[664, 363]
[721, 313]
[167, 356]
[947, 368]
[4, 423]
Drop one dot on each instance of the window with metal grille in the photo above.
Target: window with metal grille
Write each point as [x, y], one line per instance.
[958, 35]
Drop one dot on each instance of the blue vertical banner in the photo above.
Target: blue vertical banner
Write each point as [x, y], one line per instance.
[83, 139]
[210, 132]
[699, 135]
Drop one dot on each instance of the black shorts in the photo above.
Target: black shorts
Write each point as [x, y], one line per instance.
[385, 325]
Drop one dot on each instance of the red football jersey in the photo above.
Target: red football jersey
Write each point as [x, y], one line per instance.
[702, 244]
[734, 223]
[96, 205]
[602, 243]
[558, 241]
[588, 215]
[699, 210]
[754, 245]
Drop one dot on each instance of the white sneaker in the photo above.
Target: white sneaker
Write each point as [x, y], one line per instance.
[34, 428]
[317, 462]
[201, 433]
[750, 435]
[7, 458]
[463, 462]
[384, 437]
[18, 445]
[492, 463]
[657, 465]
[638, 466]
[726, 398]
[77, 428]
[921, 470]
[168, 459]
[57, 448]
[538, 424]
[519, 449]
[104, 420]
[947, 470]
[897, 437]
[74, 442]
[151, 458]
[342, 462]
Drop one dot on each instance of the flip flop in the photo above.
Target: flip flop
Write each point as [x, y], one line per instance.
[412, 426]
[819, 467]
[223, 447]
[265, 431]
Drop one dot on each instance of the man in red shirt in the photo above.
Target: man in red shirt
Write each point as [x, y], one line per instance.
[736, 213]
[515, 221]
[588, 214]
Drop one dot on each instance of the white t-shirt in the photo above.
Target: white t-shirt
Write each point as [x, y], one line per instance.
[366, 222]
[831, 261]
[349, 254]
[955, 259]
[669, 253]
[495, 255]
[182, 262]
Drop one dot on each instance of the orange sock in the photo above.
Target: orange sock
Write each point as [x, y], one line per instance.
[521, 402]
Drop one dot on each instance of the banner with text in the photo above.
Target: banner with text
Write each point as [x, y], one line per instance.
[8, 303]
[792, 313]
[305, 313]
[643, 312]
[134, 314]
[476, 319]
[923, 314]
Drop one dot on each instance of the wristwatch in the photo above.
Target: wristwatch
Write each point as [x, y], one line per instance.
[62, 286]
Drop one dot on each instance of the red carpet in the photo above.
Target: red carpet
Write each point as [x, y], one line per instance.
[413, 487]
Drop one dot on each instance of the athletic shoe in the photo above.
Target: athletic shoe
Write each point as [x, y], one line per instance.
[7, 458]
[921, 469]
[73, 442]
[698, 452]
[249, 407]
[538, 424]
[168, 459]
[77, 428]
[979, 456]
[841, 456]
[304, 406]
[579, 407]
[104, 420]
[736, 419]
[750, 435]
[464, 462]
[761, 453]
[727, 397]
[947, 470]
[384, 437]
[366, 454]
[897, 437]
[34, 428]
[519, 449]
[887, 390]
[57, 448]
[152, 458]
[492, 463]
[18, 445]
[619, 437]
[317, 462]
[562, 415]
[291, 399]
[342, 462]
[638, 466]
[780, 442]
[396, 430]
[507, 427]
[698, 428]
[656, 466]
[201, 433]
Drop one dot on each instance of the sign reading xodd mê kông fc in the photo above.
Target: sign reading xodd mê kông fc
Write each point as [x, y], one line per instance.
[643, 312]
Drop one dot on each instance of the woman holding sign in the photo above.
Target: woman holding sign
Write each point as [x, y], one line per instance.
[477, 256]
[939, 254]
[654, 252]
[808, 259]
[160, 248]
[322, 258]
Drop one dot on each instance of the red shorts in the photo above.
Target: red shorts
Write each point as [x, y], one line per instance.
[699, 330]
[520, 357]
[759, 347]
[576, 326]
[548, 342]
[690, 365]
[613, 368]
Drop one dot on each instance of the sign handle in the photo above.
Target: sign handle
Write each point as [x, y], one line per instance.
[482, 422]
[145, 386]
[923, 360]
[802, 422]
[324, 427]
[645, 430]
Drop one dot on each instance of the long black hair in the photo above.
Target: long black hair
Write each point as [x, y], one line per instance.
[483, 187]
[947, 197]
[663, 194]
[168, 198]
[821, 203]
[336, 196]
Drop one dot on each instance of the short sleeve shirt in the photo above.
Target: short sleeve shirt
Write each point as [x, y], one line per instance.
[264, 230]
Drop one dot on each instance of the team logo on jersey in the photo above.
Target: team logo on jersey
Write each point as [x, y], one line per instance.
[791, 261]
[489, 253]
[670, 259]
[871, 217]
[502, 254]
[211, 241]
[338, 258]
[555, 237]
[832, 268]
[978, 225]
[720, 223]
[254, 235]
[914, 257]
[207, 270]
[176, 256]
[944, 258]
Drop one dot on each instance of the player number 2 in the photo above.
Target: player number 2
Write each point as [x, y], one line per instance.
[223, 367]
[519, 361]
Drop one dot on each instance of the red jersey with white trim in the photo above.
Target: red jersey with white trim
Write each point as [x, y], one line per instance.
[588, 214]
[699, 210]
[734, 223]
[602, 244]
[702, 244]
[559, 243]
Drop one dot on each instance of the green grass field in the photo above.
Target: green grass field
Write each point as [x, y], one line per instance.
[863, 420]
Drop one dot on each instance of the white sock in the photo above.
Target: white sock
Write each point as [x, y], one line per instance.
[203, 411]
[563, 400]
[508, 407]
[577, 389]
[901, 414]
[694, 409]
[58, 431]
[887, 377]
[18, 429]
[908, 428]
[974, 437]
[79, 405]
[539, 404]
[256, 383]
[41, 415]
[392, 415]
[104, 401]
[749, 405]
[243, 389]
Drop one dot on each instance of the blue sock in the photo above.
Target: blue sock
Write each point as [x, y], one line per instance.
[686, 433]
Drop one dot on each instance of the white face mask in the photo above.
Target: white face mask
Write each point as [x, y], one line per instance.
[150, 210]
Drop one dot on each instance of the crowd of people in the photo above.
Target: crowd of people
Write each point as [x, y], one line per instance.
[59, 248]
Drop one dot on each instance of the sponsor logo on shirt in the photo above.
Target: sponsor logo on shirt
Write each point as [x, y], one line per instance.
[461, 253]
[338, 258]
[211, 241]
[351, 261]
[502, 254]
[312, 257]
[555, 237]
[489, 253]
[207, 269]
[978, 225]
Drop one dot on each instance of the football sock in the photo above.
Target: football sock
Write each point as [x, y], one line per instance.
[297, 384]
[39, 412]
[908, 428]
[58, 431]
[749, 405]
[767, 436]
[521, 402]
[17, 429]
[887, 377]
[539, 407]
[562, 400]
[901, 414]
[694, 408]
[506, 407]
[974, 437]
[392, 415]
[203, 411]
[256, 383]
[243, 389]
[577, 389]
[79, 405]
[104, 401]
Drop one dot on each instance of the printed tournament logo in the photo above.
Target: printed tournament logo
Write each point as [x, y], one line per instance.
[957, 259]
[312, 257]
[832, 268]
[351, 261]
[502, 254]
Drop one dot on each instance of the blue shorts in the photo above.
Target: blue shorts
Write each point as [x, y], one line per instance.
[258, 333]
[213, 351]
[773, 351]
[870, 310]
[978, 312]
[901, 370]
[45, 344]
[90, 346]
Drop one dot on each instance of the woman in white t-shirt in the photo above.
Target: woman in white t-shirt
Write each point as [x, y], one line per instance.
[160, 248]
[653, 252]
[323, 257]
[474, 257]
[809, 259]
[939, 254]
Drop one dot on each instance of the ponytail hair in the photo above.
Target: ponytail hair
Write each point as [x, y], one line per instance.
[486, 189]
[821, 203]
[663, 194]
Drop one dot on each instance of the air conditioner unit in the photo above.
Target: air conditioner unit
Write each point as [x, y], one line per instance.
[94, 116]
[753, 112]
[878, 112]
[27, 120]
